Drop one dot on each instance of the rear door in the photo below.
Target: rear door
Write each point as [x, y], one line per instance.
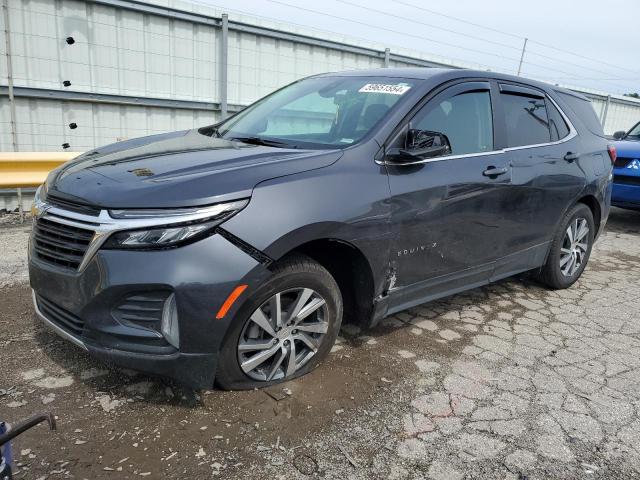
[544, 152]
[450, 214]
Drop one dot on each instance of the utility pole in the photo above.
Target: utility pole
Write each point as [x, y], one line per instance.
[524, 48]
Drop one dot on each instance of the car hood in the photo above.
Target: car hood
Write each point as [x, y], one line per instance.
[177, 169]
[628, 148]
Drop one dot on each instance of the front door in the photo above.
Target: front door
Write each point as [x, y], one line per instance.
[450, 213]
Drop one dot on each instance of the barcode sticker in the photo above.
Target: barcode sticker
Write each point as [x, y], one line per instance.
[400, 89]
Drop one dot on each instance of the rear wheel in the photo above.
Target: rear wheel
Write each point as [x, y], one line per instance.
[570, 249]
[285, 330]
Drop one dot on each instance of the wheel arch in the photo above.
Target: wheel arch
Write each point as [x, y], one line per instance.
[352, 271]
[592, 202]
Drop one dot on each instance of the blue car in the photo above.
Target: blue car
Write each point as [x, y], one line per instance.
[626, 171]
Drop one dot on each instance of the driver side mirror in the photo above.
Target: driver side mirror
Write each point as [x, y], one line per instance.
[422, 144]
[619, 135]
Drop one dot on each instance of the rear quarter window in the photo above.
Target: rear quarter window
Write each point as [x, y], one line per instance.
[583, 109]
[558, 127]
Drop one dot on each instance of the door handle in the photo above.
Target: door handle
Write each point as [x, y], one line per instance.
[570, 156]
[493, 172]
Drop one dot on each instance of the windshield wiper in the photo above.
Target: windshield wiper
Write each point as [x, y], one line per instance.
[263, 141]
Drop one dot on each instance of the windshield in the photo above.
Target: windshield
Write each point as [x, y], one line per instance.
[634, 132]
[322, 112]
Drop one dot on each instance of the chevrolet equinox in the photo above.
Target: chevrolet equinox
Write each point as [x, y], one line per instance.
[233, 252]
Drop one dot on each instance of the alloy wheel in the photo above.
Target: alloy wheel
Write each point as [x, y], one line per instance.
[574, 247]
[283, 334]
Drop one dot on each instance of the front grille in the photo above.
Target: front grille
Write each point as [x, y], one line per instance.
[626, 180]
[142, 309]
[622, 162]
[60, 244]
[63, 319]
[65, 204]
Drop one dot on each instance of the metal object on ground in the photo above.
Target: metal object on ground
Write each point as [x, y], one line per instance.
[9, 433]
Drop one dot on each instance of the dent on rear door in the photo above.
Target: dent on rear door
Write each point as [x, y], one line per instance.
[544, 186]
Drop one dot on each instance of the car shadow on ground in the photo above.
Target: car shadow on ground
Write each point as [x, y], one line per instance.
[620, 221]
[109, 379]
[623, 221]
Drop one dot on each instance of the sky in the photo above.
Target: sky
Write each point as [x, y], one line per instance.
[590, 44]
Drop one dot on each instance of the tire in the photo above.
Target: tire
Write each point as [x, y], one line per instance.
[552, 273]
[292, 279]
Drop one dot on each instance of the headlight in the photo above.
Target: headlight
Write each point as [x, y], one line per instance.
[38, 200]
[169, 228]
[41, 193]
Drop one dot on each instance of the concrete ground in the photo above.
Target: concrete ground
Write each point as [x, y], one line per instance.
[510, 381]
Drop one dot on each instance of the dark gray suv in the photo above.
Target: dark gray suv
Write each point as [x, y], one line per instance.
[234, 252]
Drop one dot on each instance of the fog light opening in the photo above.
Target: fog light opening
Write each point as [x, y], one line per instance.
[169, 326]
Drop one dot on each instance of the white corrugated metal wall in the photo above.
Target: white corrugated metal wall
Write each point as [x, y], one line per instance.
[172, 61]
[116, 51]
[621, 115]
[43, 124]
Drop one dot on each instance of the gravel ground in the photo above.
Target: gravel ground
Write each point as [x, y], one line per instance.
[510, 381]
[13, 245]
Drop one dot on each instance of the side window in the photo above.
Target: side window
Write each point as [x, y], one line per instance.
[557, 125]
[465, 119]
[526, 119]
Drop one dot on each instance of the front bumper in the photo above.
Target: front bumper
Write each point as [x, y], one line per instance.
[80, 305]
[195, 370]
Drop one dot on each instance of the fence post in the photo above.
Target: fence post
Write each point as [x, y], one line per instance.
[12, 101]
[12, 105]
[224, 59]
[603, 120]
[387, 54]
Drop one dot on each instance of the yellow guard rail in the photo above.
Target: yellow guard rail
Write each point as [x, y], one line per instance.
[29, 169]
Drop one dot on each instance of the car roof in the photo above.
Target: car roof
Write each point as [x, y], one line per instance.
[441, 75]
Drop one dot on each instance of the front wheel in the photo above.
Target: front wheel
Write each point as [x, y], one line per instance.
[570, 249]
[284, 330]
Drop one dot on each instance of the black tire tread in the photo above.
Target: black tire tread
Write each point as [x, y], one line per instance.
[292, 264]
[549, 274]
[298, 261]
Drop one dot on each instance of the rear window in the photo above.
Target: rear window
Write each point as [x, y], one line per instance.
[527, 120]
[583, 109]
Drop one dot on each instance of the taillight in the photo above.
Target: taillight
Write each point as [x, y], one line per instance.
[612, 153]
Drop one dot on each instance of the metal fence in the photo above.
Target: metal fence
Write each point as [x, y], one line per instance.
[80, 74]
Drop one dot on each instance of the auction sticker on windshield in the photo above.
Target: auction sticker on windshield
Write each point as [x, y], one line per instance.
[398, 89]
